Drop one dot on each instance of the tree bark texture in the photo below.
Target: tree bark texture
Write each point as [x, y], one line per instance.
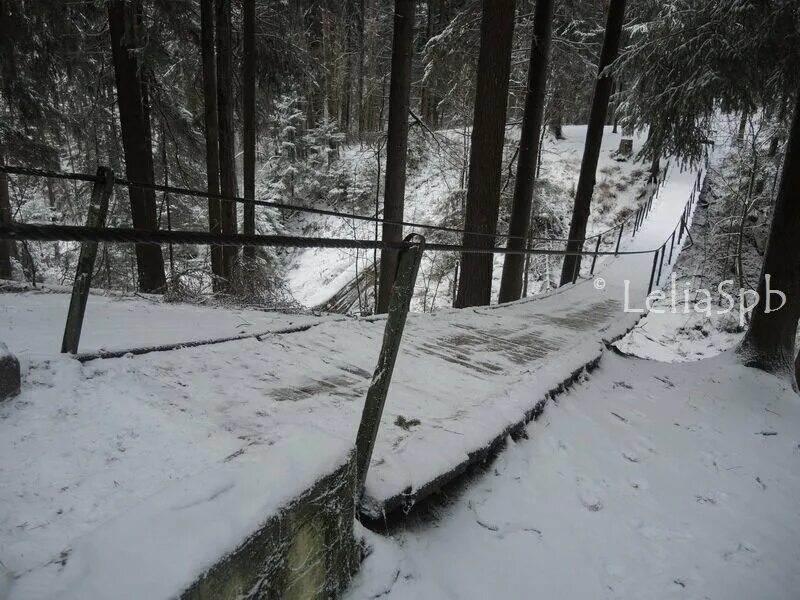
[486, 151]
[6, 246]
[769, 342]
[249, 119]
[212, 131]
[227, 162]
[397, 144]
[514, 264]
[594, 139]
[134, 115]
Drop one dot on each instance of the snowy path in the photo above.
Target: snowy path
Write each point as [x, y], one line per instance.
[86, 443]
[650, 480]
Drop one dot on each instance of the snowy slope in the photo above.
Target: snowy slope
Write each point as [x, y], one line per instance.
[432, 197]
[650, 480]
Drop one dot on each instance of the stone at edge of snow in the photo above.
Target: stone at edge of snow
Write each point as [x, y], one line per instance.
[9, 373]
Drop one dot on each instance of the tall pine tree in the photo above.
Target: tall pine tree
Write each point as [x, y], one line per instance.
[486, 151]
[594, 139]
[124, 20]
[396, 144]
[513, 267]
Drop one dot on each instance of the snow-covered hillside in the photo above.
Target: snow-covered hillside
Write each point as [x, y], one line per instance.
[434, 195]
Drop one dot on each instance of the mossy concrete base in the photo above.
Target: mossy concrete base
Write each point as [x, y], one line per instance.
[307, 551]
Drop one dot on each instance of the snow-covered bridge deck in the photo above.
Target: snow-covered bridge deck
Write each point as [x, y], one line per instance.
[88, 442]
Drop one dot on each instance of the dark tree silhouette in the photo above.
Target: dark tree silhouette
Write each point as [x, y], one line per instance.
[134, 115]
[594, 139]
[514, 265]
[225, 100]
[249, 118]
[486, 151]
[211, 131]
[397, 143]
[769, 341]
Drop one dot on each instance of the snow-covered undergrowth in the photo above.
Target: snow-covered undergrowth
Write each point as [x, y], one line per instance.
[649, 480]
[727, 241]
[320, 171]
[435, 195]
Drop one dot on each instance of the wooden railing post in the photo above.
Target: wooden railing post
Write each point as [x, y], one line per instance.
[671, 246]
[653, 273]
[619, 238]
[661, 264]
[98, 210]
[402, 292]
[596, 249]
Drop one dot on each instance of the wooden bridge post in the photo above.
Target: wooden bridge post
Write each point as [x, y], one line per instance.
[98, 210]
[619, 238]
[402, 292]
[661, 264]
[653, 272]
[596, 249]
[671, 246]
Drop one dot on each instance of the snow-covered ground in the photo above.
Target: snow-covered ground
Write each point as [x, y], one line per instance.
[35, 321]
[650, 480]
[97, 448]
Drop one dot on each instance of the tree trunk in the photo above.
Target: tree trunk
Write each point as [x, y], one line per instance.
[742, 127]
[427, 102]
[135, 124]
[362, 46]
[486, 151]
[769, 342]
[212, 133]
[444, 20]
[227, 162]
[611, 117]
[351, 69]
[557, 127]
[594, 138]
[514, 265]
[249, 119]
[777, 135]
[396, 144]
[6, 246]
[797, 367]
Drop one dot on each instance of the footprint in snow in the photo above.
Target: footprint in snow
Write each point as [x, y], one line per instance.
[645, 444]
[659, 534]
[555, 446]
[743, 555]
[631, 456]
[639, 484]
[591, 494]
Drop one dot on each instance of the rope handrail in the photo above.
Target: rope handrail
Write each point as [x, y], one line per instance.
[32, 172]
[78, 233]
